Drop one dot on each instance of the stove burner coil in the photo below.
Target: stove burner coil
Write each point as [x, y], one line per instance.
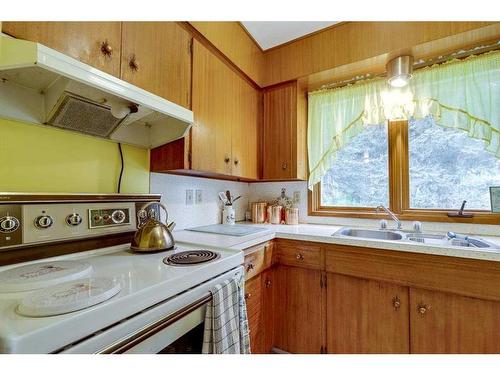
[191, 257]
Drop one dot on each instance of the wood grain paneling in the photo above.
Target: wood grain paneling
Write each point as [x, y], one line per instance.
[300, 310]
[448, 323]
[80, 40]
[365, 316]
[352, 42]
[162, 52]
[268, 309]
[232, 40]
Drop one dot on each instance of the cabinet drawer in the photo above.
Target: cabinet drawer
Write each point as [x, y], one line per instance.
[307, 256]
[257, 259]
[253, 294]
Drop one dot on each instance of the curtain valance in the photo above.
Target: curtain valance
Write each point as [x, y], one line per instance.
[463, 94]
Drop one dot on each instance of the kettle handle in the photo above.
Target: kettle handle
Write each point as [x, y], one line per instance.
[159, 204]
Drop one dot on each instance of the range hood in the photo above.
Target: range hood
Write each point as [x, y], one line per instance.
[42, 86]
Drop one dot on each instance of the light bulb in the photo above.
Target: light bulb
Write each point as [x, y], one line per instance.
[119, 110]
[399, 81]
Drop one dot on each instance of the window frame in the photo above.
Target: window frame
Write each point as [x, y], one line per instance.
[399, 190]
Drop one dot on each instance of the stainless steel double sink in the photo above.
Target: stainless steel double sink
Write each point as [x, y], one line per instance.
[423, 238]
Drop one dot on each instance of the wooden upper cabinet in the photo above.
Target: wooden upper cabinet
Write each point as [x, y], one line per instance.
[365, 316]
[449, 323]
[156, 56]
[94, 43]
[299, 310]
[284, 133]
[213, 112]
[226, 118]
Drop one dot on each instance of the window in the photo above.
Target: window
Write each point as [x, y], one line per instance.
[419, 169]
[447, 167]
[359, 175]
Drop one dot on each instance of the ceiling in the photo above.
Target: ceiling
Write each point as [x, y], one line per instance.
[270, 34]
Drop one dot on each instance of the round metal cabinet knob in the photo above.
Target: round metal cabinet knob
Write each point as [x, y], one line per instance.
[248, 295]
[396, 303]
[422, 309]
[74, 219]
[44, 221]
[8, 224]
[299, 256]
[250, 266]
[106, 49]
[268, 283]
[284, 166]
[118, 216]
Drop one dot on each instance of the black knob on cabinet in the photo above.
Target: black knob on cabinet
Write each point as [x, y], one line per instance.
[44, 221]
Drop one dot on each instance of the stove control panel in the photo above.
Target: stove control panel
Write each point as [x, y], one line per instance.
[108, 217]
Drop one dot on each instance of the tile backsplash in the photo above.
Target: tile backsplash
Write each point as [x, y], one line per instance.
[209, 211]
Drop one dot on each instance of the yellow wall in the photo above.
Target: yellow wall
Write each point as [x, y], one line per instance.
[41, 159]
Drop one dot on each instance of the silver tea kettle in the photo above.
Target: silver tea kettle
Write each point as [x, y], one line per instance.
[153, 235]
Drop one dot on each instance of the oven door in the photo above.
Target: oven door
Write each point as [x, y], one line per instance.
[172, 326]
[181, 332]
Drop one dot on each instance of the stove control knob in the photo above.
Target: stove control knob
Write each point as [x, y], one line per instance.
[8, 224]
[74, 219]
[44, 221]
[118, 216]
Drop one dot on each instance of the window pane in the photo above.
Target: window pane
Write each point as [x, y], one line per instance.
[359, 175]
[447, 167]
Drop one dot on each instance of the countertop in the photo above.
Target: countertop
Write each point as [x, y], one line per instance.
[323, 234]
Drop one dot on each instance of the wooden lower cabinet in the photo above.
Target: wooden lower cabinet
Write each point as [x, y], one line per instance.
[299, 321]
[365, 316]
[449, 323]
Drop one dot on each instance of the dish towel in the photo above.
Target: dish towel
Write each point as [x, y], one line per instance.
[226, 323]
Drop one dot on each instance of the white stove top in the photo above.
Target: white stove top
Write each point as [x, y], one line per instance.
[144, 280]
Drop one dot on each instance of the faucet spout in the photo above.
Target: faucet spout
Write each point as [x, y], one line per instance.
[391, 214]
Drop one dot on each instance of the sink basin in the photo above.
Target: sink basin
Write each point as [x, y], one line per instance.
[372, 234]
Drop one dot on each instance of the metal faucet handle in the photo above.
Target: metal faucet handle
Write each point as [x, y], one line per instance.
[383, 224]
[417, 227]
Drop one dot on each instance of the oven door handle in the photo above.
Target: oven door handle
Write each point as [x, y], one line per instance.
[128, 342]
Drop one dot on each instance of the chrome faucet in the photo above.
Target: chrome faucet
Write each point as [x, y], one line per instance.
[391, 214]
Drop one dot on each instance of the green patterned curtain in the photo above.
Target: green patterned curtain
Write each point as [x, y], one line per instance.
[462, 94]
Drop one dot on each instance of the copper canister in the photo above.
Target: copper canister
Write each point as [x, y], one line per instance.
[276, 215]
[292, 216]
[259, 212]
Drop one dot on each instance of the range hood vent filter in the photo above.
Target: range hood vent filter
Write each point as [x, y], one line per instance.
[78, 114]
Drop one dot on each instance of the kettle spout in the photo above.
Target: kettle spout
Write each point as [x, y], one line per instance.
[171, 226]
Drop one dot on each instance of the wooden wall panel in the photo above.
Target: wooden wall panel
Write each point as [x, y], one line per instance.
[356, 41]
[232, 40]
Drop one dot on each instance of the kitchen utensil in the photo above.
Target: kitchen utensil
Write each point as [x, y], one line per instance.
[235, 199]
[276, 212]
[228, 196]
[259, 212]
[292, 216]
[153, 235]
[223, 198]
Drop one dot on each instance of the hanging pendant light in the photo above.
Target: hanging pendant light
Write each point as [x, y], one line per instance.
[399, 71]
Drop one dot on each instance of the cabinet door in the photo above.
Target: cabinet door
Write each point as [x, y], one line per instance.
[299, 310]
[245, 126]
[365, 316]
[448, 323]
[280, 118]
[84, 41]
[156, 56]
[268, 308]
[213, 107]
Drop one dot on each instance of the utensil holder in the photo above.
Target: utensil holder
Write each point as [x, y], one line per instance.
[228, 215]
